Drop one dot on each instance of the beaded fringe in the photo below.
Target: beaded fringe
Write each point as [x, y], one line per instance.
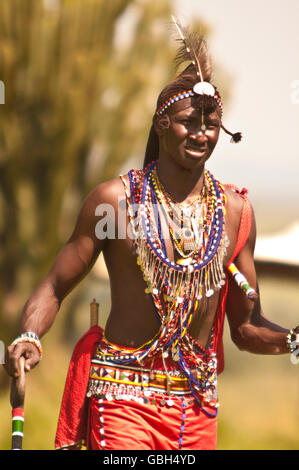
[121, 392]
[191, 284]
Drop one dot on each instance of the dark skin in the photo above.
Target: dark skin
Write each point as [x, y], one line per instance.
[184, 150]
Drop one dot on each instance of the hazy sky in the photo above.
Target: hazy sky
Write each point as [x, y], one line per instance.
[257, 43]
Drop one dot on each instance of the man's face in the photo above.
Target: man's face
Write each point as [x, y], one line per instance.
[183, 140]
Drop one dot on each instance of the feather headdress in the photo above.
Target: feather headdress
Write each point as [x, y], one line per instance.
[194, 49]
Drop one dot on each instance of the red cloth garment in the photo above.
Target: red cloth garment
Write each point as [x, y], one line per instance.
[243, 234]
[72, 424]
[133, 409]
[128, 425]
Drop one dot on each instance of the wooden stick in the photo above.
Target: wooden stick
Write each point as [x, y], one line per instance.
[94, 313]
[17, 398]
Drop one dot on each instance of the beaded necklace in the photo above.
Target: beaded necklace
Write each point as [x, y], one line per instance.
[189, 222]
[185, 221]
[205, 269]
[175, 289]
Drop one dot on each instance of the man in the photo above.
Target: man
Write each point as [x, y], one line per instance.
[150, 380]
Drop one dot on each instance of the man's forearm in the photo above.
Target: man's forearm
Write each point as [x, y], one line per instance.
[265, 338]
[40, 310]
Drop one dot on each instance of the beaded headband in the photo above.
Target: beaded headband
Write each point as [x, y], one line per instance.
[187, 94]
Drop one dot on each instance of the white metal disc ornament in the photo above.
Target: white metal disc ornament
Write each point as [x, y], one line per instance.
[204, 88]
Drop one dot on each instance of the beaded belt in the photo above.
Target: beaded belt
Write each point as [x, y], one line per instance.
[120, 382]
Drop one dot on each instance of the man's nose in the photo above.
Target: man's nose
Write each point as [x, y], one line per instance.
[198, 136]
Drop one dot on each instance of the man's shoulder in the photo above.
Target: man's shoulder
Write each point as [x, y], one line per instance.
[235, 203]
[234, 199]
[107, 191]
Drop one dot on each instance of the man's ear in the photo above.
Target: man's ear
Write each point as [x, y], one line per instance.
[161, 123]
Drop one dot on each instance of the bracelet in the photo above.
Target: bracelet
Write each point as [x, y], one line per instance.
[29, 337]
[292, 336]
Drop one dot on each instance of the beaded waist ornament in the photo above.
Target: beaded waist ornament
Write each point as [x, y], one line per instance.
[112, 381]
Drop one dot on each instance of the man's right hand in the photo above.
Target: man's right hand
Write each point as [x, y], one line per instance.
[13, 354]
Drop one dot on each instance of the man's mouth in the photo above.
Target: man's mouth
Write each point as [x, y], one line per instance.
[195, 149]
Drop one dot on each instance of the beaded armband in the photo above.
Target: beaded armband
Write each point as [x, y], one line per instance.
[29, 337]
[242, 282]
[292, 336]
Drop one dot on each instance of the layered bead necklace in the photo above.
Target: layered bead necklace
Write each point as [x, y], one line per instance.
[185, 223]
[195, 274]
[177, 287]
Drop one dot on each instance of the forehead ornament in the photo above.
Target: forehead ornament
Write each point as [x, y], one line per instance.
[204, 88]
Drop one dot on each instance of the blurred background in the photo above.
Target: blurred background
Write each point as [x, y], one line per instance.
[81, 80]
